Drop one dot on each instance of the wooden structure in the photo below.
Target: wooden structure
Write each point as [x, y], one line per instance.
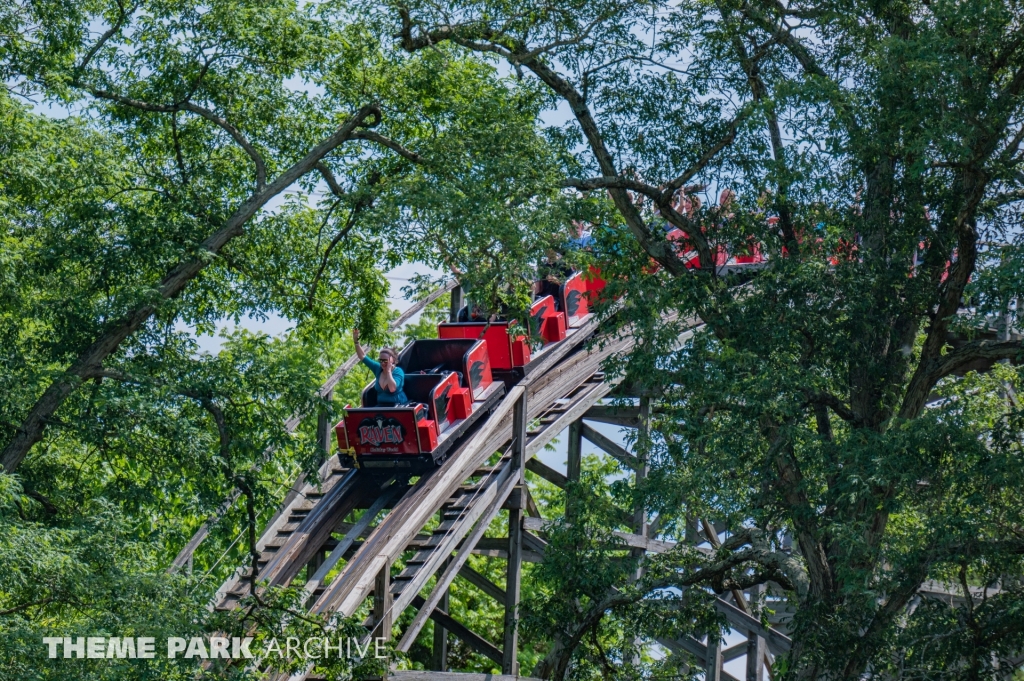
[459, 500]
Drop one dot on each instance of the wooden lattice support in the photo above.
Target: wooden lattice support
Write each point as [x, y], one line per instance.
[439, 653]
[382, 604]
[756, 650]
[510, 663]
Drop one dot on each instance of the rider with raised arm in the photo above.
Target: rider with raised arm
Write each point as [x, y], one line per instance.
[390, 377]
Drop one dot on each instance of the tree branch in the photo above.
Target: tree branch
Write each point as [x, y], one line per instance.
[107, 35]
[672, 185]
[784, 37]
[390, 144]
[992, 351]
[332, 182]
[25, 606]
[833, 403]
[91, 359]
[470, 37]
[222, 123]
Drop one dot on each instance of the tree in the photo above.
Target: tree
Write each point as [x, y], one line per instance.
[219, 160]
[876, 152]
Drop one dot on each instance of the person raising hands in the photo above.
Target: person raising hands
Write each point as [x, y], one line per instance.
[390, 377]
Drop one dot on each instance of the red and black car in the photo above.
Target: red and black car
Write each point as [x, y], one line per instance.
[452, 381]
[449, 385]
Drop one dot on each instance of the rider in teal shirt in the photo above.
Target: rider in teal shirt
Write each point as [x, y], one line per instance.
[390, 377]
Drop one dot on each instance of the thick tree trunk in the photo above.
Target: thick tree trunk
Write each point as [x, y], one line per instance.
[91, 360]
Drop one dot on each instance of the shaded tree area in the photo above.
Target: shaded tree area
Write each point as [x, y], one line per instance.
[850, 412]
[875, 153]
[218, 161]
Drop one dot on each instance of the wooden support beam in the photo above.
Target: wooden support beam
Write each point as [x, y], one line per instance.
[778, 643]
[470, 638]
[323, 429]
[713, 661]
[346, 543]
[458, 302]
[531, 503]
[546, 472]
[559, 480]
[486, 548]
[688, 644]
[575, 451]
[610, 447]
[735, 652]
[574, 463]
[624, 417]
[641, 471]
[510, 663]
[631, 540]
[439, 653]
[756, 649]
[314, 563]
[534, 543]
[482, 583]
[382, 614]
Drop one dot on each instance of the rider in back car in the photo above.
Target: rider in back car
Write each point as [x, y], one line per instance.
[390, 377]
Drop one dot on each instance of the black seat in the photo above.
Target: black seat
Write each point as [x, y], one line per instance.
[417, 389]
[435, 355]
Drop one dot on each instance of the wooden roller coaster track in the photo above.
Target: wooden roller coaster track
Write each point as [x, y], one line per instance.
[483, 475]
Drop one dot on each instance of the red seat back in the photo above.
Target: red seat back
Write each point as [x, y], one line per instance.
[574, 299]
[499, 345]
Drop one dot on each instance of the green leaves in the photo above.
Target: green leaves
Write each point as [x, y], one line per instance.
[184, 113]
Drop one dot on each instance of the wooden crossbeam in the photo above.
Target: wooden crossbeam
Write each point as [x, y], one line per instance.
[625, 417]
[482, 583]
[610, 447]
[453, 676]
[546, 472]
[497, 547]
[688, 644]
[471, 638]
[778, 643]
[635, 541]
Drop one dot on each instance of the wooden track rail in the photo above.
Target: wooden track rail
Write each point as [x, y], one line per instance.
[185, 555]
[482, 476]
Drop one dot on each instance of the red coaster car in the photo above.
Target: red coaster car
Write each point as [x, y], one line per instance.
[510, 354]
[449, 385]
[575, 299]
